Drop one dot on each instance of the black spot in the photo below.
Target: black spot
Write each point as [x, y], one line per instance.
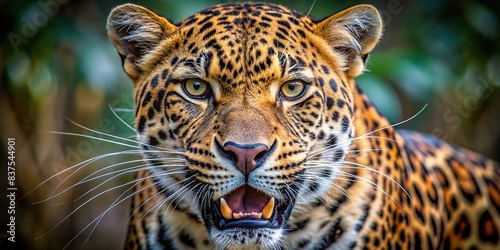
[163, 239]
[174, 61]
[447, 243]
[190, 32]
[433, 195]
[325, 69]
[301, 33]
[321, 82]
[206, 26]
[337, 156]
[303, 243]
[420, 215]
[417, 192]
[487, 229]
[208, 35]
[284, 23]
[326, 173]
[162, 135]
[340, 103]
[335, 207]
[175, 118]
[186, 239]
[154, 81]
[417, 243]
[151, 113]
[314, 187]
[153, 141]
[274, 14]
[331, 236]
[264, 24]
[270, 51]
[402, 236]
[146, 99]
[344, 124]
[352, 245]
[278, 44]
[141, 124]
[280, 36]
[493, 193]
[462, 227]
[299, 225]
[333, 84]
[191, 21]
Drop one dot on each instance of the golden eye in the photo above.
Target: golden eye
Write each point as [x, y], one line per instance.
[196, 88]
[292, 89]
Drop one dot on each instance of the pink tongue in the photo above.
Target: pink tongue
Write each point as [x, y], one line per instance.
[246, 199]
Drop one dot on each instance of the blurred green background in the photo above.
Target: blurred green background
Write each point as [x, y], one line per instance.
[57, 66]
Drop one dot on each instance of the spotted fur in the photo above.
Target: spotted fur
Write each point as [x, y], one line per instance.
[350, 179]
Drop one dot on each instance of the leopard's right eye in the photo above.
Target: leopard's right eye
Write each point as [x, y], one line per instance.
[196, 88]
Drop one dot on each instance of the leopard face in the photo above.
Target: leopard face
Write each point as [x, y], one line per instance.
[236, 105]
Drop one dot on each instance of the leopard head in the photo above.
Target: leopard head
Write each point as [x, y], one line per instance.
[245, 98]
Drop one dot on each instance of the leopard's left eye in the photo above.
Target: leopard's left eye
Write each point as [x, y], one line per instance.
[292, 89]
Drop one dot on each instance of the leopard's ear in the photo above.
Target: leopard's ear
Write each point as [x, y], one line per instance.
[136, 31]
[352, 33]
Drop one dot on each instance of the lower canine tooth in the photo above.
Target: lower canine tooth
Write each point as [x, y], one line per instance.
[227, 212]
[267, 211]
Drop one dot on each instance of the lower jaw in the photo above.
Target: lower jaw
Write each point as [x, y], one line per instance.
[246, 238]
[249, 223]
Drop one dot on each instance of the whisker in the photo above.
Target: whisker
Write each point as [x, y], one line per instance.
[185, 193]
[119, 118]
[112, 136]
[173, 171]
[99, 218]
[340, 145]
[169, 160]
[166, 198]
[83, 164]
[376, 186]
[83, 204]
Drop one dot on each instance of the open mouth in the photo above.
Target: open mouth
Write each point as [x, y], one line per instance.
[247, 207]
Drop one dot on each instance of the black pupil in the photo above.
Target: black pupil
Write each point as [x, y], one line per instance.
[292, 85]
[196, 85]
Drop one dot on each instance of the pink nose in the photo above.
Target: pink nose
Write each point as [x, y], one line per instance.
[246, 157]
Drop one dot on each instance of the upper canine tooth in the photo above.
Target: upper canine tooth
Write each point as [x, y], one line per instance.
[267, 211]
[227, 212]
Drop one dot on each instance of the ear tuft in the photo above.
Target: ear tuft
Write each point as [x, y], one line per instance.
[135, 31]
[353, 33]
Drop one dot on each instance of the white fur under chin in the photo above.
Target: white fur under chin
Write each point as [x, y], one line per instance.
[247, 239]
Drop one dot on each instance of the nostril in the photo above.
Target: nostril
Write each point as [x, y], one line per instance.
[228, 154]
[259, 158]
[231, 155]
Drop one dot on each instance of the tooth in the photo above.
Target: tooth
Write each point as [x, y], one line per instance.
[238, 215]
[227, 212]
[267, 211]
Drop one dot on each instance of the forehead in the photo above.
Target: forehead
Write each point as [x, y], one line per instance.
[251, 17]
[246, 38]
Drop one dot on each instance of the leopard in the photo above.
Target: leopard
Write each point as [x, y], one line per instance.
[255, 135]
